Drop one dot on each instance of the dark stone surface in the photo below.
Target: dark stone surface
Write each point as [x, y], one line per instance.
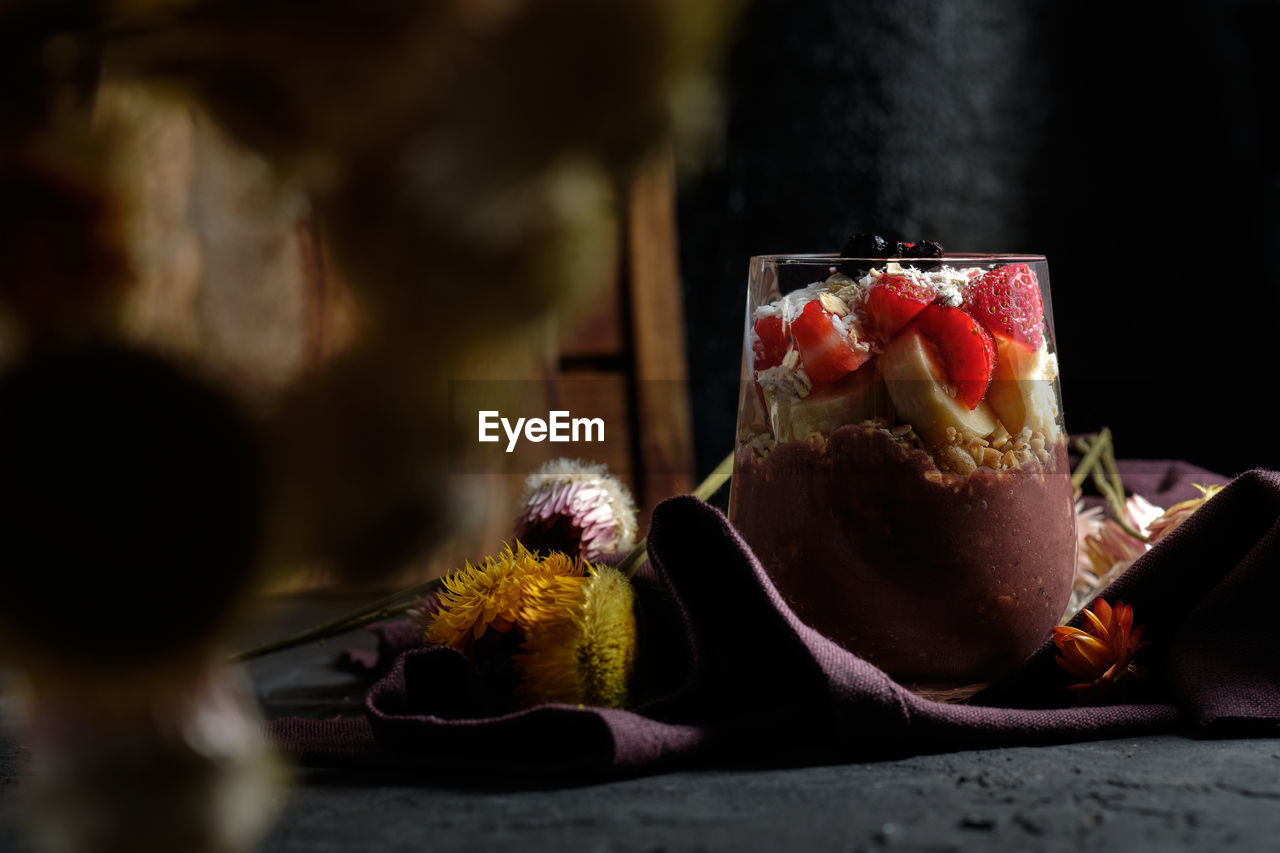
[1155, 793]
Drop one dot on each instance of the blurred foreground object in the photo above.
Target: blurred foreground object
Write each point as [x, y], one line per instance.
[190, 772]
[462, 154]
[465, 164]
[130, 513]
[60, 235]
[130, 519]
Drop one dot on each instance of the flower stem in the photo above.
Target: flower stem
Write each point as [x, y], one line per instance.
[1092, 451]
[392, 605]
[1099, 461]
[400, 601]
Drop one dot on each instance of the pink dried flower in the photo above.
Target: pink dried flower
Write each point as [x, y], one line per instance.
[1140, 512]
[578, 508]
[1089, 522]
[1105, 548]
[1104, 543]
[1110, 547]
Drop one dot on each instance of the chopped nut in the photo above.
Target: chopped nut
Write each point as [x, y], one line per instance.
[990, 457]
[1007, 460]
[957, 460]
[834, 304]
[1037, 443]
[1000, 436]
[900, 430]
[849, 294]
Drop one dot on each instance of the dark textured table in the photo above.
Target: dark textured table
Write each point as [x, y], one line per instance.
[1152, 793]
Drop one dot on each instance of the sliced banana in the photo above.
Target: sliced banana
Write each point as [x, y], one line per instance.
[917, 385]
[1022, 389]
[852, 400]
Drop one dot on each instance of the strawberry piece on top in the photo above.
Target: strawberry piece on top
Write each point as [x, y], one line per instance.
[826, 351]
[1007, 301]
[770, 343]
[893, 301]
[965, 347]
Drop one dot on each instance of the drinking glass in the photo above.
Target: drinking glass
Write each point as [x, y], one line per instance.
[901, 464]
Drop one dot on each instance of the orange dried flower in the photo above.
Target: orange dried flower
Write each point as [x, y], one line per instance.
[1101, 653]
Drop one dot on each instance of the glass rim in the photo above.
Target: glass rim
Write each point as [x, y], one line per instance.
[946, 256]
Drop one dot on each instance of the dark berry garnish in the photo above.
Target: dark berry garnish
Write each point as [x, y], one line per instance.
[875, 246]
[922, 249]
[867, 246]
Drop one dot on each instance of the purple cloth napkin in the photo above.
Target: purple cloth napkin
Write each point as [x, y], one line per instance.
[727, 674]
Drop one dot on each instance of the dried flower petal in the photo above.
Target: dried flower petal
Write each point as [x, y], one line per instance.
[1139, 512]
[584, 654]
[1105, 549]
[574, 621]
[578, 508]
[1100, 654]
[503, 591]
[1166, 523]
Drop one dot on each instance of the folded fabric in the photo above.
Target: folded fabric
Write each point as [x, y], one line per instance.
[727, 674]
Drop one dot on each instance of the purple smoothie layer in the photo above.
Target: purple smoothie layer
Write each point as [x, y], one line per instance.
[931, 576]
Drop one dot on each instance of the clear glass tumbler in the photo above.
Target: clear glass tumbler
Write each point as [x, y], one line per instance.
[901, 464]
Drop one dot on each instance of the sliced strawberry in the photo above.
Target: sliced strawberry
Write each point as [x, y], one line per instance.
[967, 350]
[1007, 301]
[893, 301]
[770, 343]
[826, 352]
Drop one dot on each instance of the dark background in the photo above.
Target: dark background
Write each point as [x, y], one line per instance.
[1134, 145]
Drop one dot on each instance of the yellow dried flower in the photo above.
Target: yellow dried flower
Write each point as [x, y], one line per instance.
[503, 591]
[583, 654]
[575, 621]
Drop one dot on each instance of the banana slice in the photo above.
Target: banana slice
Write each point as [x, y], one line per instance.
[917, 385]
[1022, 392]
[852, 400]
